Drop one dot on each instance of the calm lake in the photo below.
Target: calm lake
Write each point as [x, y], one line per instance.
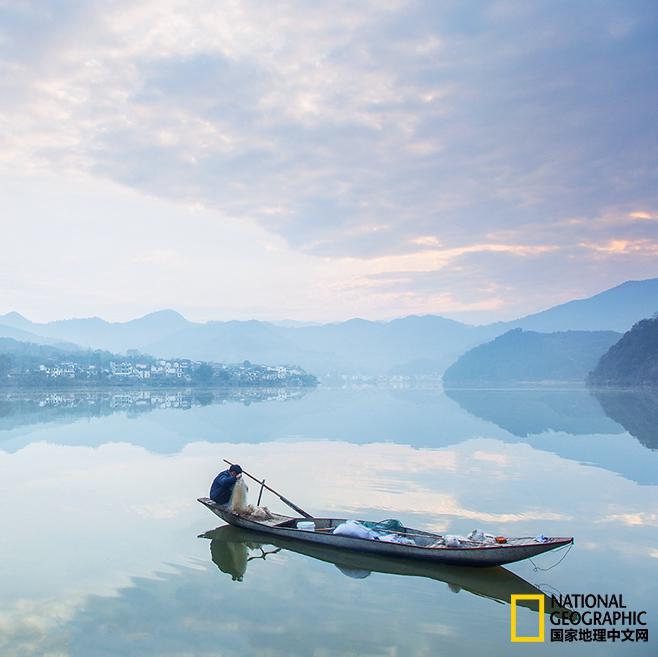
[101, 546]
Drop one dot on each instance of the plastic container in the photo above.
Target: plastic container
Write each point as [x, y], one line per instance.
[306, 525]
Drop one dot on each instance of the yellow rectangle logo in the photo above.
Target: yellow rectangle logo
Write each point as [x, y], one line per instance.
[539, 597]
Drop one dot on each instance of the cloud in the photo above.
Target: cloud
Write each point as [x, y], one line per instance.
[422, 119]
[438, 137]
[644, 216]
[633, 519]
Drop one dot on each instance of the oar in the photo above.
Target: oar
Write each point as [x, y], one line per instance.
[285, 500]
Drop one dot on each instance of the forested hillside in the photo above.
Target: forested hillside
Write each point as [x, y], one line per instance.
[633, 361]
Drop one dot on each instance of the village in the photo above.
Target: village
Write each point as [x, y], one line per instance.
[142, 371]
[123, 370]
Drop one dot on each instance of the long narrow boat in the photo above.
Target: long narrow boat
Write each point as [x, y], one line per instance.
[230, 548]
[419, 545]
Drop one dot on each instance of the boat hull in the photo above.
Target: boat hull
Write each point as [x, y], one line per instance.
[487, 555]
[495, 583]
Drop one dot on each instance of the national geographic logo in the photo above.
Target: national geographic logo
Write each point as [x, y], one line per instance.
[539, 637]
[582, 617]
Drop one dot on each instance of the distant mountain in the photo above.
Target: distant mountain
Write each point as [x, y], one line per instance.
[8, 331]
[16, 320]
[16, 334]
[354, 346]
[633, 361]
[22, 349]
[529, 357]
[616, 309]
[293, 323]
[96, 333]
[410, 345]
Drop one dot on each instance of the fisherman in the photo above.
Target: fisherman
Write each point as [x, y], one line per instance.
[222, 486]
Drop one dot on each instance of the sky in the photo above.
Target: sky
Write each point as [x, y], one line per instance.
[319, 161]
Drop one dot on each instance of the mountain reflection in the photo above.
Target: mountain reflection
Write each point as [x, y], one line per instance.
[591, 427]
[531, 412]
[526, 413]
[419, 417]
[635, 410]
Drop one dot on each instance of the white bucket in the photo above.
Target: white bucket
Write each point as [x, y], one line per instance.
[306, 525]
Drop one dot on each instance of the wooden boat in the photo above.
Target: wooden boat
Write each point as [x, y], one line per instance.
[230, 548]
[425, 546]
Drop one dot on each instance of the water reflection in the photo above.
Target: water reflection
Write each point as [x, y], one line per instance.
[601, 422]
[410, 416]
[375, 414]
[125, 574]
[531, 412]
[165, 421]
[293, 609]
[275, 600]
[232, 549]
[29, 407]
[635, 410]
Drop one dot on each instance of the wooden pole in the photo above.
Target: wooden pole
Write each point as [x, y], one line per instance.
[285, 500]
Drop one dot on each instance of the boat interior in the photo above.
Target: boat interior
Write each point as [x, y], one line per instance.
[401, 534]
[327, 525]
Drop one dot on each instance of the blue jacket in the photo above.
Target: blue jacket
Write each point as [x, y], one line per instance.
[222, 487]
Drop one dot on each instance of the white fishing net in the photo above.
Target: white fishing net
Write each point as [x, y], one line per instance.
[239, 496]
[238, 503]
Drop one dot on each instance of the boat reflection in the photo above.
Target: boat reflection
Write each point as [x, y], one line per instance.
[232, 549]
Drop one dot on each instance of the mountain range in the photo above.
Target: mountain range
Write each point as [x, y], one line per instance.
[410, 345]
[616, 309]
[522, 357]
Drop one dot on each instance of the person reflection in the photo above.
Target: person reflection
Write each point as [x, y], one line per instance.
[230, 558]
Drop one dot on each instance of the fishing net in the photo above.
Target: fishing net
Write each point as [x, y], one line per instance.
[390, 525]
[238, 502]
